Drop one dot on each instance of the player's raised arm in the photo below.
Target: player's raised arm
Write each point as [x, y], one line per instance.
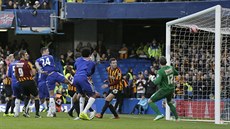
[38, 67]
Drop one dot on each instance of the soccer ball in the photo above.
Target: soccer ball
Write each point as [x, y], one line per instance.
[193, 29]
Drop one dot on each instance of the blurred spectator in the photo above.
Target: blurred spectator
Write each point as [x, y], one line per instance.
[146, 74]
[2, 70]
[150, 88]
[58, 88]
[79, 47]
[36, 5]
[133, 54]
[152, 70]
[100, 48]
[7, 50]
[45, 5]
[141, 82]
[179, 91]
[103, 58]
[133, 93]
[62, 60]
[145, 50]
[89, 46]
[23, 45]
[123, 52]
[10, 5]
[129, 78]
[95, 57]
[154, 50]
[141, 106]
[109, 54]
[142, 55]
[77, 54]
[2, 52]
[70, 58]
[140, 49]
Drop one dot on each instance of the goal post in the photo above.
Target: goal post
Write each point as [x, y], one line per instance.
[198, 46]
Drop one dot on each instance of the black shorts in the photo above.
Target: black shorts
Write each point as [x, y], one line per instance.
[115, 92]
[71, 93]
[9, 91]
[29, 87]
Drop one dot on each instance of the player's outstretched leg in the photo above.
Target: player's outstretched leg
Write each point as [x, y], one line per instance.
[100, 115]
[83, 115]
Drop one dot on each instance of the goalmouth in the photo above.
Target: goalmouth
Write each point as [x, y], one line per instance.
[198, 46]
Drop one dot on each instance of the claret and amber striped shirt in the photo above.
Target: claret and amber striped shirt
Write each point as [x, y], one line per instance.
[115, 78]
[23, 70]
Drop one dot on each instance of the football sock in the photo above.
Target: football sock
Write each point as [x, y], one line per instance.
[8, 104]
[106, 105]
[72, 108]
[26, 104]
[90, 109]
[89, 104]
[173, 109]
[76, 107]
[17, 106]
[112, 109]
[12, 105]
[45, 105]
[82, 103]
[37, 105]
[52, 108]
[155, 108]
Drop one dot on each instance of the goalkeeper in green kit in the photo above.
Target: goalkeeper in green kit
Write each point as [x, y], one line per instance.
[165, 83]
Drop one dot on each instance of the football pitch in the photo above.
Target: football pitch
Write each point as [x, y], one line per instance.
[63, 121]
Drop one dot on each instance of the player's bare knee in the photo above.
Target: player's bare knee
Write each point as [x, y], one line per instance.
[109, 97]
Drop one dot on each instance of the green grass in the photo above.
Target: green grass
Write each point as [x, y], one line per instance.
[63, 121]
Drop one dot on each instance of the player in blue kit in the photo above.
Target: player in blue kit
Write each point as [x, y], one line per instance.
[15, 85]
[43, 90]
[85, 67]
[46, 65]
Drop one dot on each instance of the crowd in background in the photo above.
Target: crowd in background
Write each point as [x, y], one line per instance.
[195, 63]
[129, 1]
[46, 4]
[28, 4]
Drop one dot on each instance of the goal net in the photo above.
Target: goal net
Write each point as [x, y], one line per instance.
[198, 46]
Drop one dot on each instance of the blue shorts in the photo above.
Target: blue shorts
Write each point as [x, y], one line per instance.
[83, 85]
[43, 90]
[17, 91]
[53, 78]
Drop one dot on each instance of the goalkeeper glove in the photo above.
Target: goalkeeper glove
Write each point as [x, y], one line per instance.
[152, 77]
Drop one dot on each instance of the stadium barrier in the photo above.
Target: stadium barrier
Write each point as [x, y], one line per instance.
[197, 108]
[206, 111]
